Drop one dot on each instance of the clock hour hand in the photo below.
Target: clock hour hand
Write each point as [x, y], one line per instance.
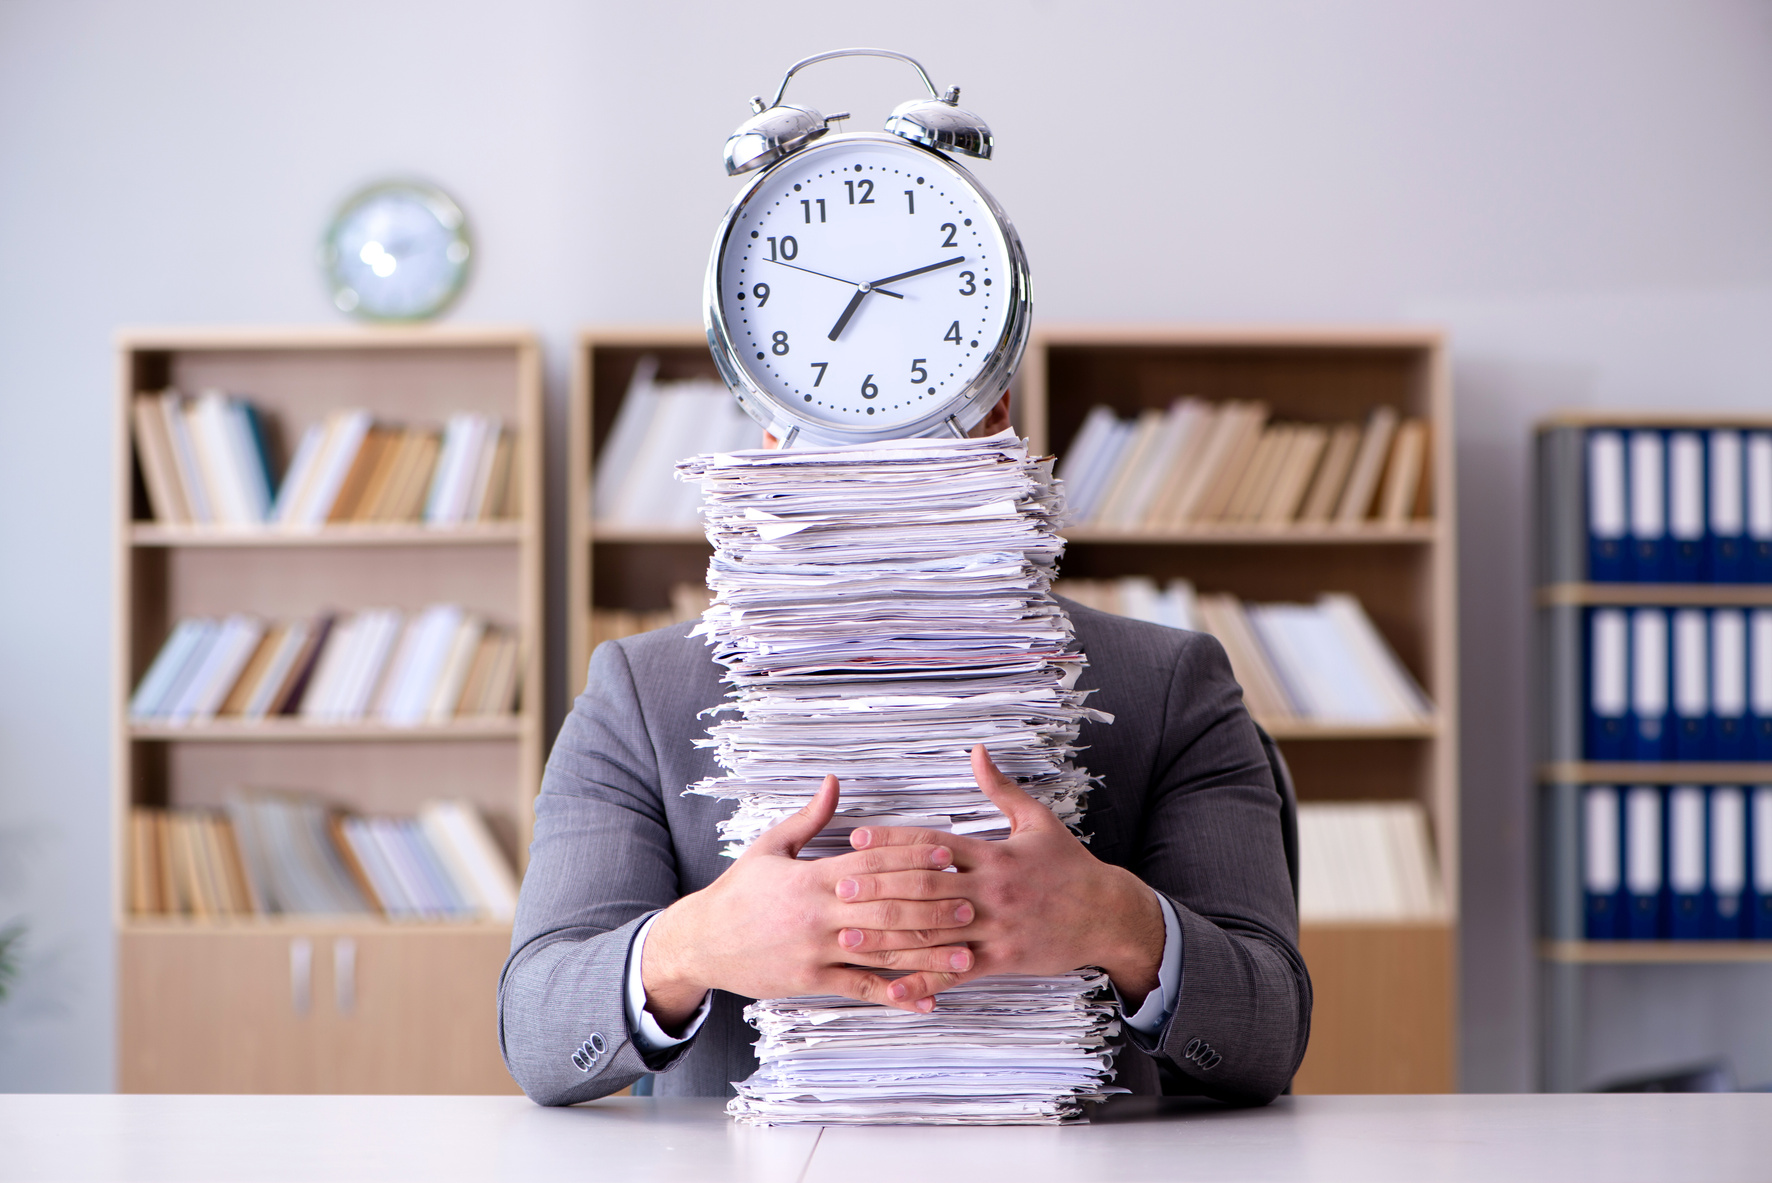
[861, 293]
[921, 270]
[822, 275]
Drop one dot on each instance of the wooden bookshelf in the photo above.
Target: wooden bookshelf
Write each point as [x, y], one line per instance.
[1386, 993]
[315, 1003]
[1386, 1008]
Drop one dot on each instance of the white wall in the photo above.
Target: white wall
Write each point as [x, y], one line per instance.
[1580, 191]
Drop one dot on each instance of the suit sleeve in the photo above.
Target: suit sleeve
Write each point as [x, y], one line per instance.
[601, 863]
[1212, 846]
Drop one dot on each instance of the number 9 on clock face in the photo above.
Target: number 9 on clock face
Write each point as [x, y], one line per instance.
[865, 288]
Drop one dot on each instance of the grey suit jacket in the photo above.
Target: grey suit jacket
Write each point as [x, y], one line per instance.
[1188, 804]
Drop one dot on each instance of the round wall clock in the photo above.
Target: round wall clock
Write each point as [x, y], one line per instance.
[865, 286]
[395, 251]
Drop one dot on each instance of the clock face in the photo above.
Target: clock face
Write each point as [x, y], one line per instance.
[397, 251]
[865, 286]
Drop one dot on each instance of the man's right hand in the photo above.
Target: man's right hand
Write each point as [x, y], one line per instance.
[771, 926]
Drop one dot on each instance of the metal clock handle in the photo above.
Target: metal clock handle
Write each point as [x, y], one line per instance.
[845, 53]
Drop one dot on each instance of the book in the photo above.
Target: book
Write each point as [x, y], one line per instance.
[1366, 860]
[1729, 737]
[184, 456]
[467, 850]
[1331, 476]
[1285, 501]
[1649, 681]
[1648, 507]
[1726, 507]
[1687, 875]
[1687, 546]
[1760, 683]
[1403, 473]
[1608, 684]
[1644, 854]
[159, 469]
[1691, 685]
[1355, 504]
[1757, 564]
[1759, 855]
[1239, 451]
[1602, 847]
[1729, 910]
[1609, 557]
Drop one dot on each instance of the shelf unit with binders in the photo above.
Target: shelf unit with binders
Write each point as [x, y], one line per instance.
[304, 1002]
[1386, 1008]
[1654, 609]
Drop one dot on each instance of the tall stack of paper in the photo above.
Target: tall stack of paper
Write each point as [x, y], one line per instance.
[880, 609]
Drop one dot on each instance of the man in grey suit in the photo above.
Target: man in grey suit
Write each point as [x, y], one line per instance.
[637, 944]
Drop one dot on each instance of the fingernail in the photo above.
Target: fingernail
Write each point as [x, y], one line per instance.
[847, 889]
[849, 938]
[860, 839]
[963, 913]
[940, 856]
[925, 1004]
[895, 991]
[960, 959]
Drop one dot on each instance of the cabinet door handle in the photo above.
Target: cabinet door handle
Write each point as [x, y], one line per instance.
[344, 975]
[301, 974]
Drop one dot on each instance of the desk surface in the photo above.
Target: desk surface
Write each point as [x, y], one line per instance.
[1619, 1139]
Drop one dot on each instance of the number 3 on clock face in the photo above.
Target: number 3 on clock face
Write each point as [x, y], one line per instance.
[866, 288]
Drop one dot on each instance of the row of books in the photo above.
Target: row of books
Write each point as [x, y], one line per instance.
[1224, 463]
[288, 854]
[438, 664]
[1366, 860]
[1680, 506]
[1679, 684]
[688, 602]
[205, 460]
[660, 423]
[1324, 662]
[1677, 862]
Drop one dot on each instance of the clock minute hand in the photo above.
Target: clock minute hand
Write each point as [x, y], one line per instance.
[921, 270]
[822, 275]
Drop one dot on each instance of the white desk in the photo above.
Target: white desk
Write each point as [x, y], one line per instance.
[1618, 1139]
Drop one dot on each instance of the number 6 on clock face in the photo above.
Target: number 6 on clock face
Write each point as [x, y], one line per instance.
[866, 288]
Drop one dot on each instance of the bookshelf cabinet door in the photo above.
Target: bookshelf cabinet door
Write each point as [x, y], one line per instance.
[1384, 1015]
[219, 1011]
[414, 1011]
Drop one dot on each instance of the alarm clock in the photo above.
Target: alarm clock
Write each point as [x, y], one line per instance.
[865, 286]
[397, 250]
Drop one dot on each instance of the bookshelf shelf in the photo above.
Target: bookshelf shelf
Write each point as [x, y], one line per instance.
[1386, 992]
[312, 925]
[1653, 952]
[639, 535]
[356, 1003]
[153, 534]
[1583, 772]
[1304, 729]
[1411, 533]
[1720, 595]
[291, 730]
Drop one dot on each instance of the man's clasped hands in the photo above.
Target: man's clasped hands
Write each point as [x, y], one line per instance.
[774, 925]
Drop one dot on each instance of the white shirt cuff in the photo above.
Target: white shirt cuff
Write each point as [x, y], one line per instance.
[647, 1034]
[1159, 1004]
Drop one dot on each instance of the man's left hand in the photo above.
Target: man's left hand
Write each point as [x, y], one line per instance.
[1043, 903]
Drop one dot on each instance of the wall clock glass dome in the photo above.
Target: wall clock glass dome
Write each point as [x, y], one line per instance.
[397, 250]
